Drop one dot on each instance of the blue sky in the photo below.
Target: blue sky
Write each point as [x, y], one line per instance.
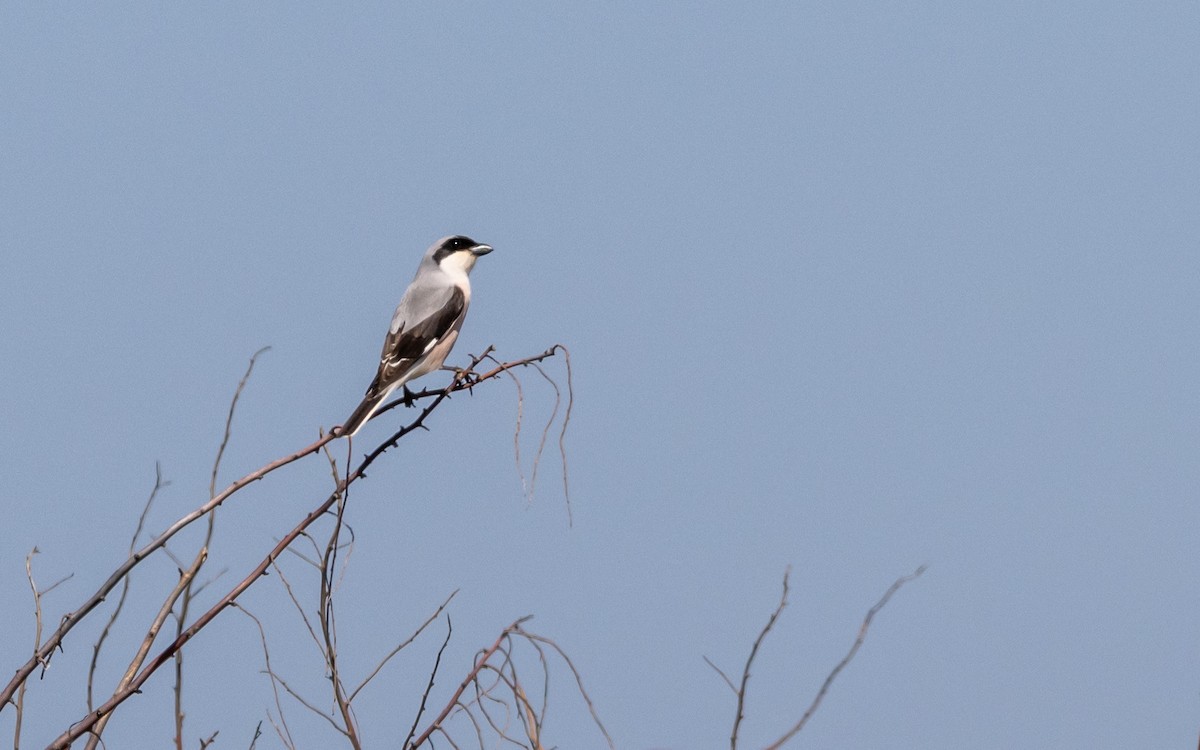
[851, 287]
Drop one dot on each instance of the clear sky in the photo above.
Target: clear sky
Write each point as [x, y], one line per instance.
[849, 286]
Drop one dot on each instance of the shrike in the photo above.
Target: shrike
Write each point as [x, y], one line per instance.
[426, 323]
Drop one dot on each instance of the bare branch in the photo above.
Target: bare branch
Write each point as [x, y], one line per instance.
[529, 487]
[397, 649]
[858, 642]
[284, 732]
[470, 678]
[437, 662]
[37, 639]
[185, 578]
[188, 592]
[517, 433]
[578, 680]
[37, 636]
[112, 620]
[292, 595]
[74, 618]
[741, 691]
[301, 700]
[537, 457]
[328, 624]
[562, 435]
[461, 381]
[545, 681]
[724, 676]
[257, 734]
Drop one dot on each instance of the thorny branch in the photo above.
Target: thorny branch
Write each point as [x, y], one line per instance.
[466, 379]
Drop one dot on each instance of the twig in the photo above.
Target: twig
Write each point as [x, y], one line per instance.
[37, 637]
[858, 642]
[296, 602]
[285, 734]
[741, 691]
[328, 623]
[578, 680]
[257, 734]
[562, 434]
[470, 678]
[301, 700]
[185, 578]
[517, 433]
[437, 662]
[112, 620]
[186, 601]
[545, 682]
[530, 486]
[729, 682]
[397, 649]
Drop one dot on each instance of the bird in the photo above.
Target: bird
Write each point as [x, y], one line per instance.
[425, 324]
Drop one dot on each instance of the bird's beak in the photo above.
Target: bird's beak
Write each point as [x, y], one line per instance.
[481, 250]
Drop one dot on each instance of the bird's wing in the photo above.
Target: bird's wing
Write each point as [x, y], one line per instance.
[422, 319]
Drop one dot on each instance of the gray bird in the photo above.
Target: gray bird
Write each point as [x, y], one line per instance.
[426, 323]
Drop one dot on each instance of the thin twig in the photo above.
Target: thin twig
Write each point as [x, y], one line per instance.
[729, 682]
[188, 592]
[562, 435]
[285, 734]
[397, 649]
[185, 578]
[328, 624]
[517, 433]
[257, 734]
[545, 682]
[112, 620]
[37, 637]
[292, 595]
[578, 680]
[470, 678]
[741, 691]
[858, 642]
[437, 662]
[301, 700]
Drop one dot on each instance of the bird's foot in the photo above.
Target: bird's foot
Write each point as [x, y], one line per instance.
[408, 398]
[466, 377]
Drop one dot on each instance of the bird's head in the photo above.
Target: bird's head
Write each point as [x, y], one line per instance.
[457, 254]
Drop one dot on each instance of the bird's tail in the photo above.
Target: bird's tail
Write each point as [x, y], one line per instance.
[370, 404]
